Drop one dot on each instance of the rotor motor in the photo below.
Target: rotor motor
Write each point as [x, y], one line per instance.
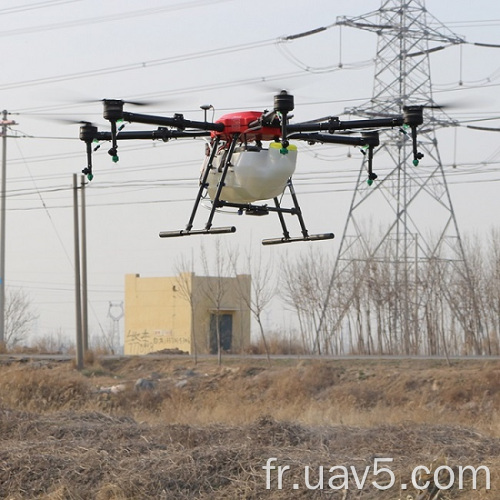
[283, 102]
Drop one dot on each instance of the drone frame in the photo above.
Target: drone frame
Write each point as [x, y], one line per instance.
[270, 125]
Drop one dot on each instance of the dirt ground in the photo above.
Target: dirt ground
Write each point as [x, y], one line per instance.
[167, 428]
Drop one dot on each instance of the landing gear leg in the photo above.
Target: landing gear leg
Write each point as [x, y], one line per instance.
[216, 202]
[225, 168]
[203, 183]
[286, 234]
[298, 212]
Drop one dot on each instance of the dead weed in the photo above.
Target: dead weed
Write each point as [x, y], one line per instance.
[205, 432]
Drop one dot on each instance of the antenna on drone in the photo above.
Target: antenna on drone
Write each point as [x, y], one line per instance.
[403, 200]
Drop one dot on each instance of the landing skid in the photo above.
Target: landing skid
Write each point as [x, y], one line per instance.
[248, 208]
[184, 232]
[310, 237]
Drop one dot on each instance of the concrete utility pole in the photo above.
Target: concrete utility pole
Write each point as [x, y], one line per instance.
[85, 300]
[3, 197]
[78, 285]
[81, 294]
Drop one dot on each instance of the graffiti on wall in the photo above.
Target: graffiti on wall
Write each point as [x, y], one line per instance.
[144, 342]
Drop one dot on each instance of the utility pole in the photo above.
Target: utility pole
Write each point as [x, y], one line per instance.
[81, 294]
[3, 205]
[78, 286]
[85, 313]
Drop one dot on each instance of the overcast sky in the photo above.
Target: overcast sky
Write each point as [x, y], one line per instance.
[59, 55]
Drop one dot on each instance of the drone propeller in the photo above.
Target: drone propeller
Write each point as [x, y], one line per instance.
[141, 102]
[454, 104]
[486, 129]
[444, 106]
[69, 121]
[273, 84]
[268, 86]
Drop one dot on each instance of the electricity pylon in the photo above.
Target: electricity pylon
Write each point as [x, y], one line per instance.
[115, 313]
[408, 199]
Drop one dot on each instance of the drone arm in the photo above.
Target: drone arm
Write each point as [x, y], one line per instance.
[113, 112]
[88, 169]
[113, 152]
[89, 133]
[177, 121]
[417, 156]
[334, 124]
[412, 117]
[161, 133]
[371, 175]
[368, 139]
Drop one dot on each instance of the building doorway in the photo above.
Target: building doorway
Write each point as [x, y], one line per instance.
[225, 332]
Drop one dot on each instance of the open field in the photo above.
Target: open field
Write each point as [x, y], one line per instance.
[203, 431]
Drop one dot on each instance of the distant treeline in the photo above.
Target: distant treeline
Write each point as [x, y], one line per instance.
[386, 303]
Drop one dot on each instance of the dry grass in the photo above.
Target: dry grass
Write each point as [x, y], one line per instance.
[277, 344]
[205, 432]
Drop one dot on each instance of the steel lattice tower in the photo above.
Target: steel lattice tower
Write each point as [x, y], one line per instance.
[389, 221]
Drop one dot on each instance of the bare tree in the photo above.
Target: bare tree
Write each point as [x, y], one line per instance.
[303, 285]
[215, 288]
[263, 289]
[185, 275]
[18, 317]
[492, 290]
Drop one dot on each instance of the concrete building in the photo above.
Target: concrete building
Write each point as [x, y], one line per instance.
[182, 313]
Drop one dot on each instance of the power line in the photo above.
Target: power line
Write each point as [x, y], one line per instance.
[35, 6]
[116, 16]
[315, 153]
[185, 90]
[334, 178]
[141, 65]
[38, 111]
[45, 207]
[474, 24]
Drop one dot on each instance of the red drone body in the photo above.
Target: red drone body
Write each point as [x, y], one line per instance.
[239, 123]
